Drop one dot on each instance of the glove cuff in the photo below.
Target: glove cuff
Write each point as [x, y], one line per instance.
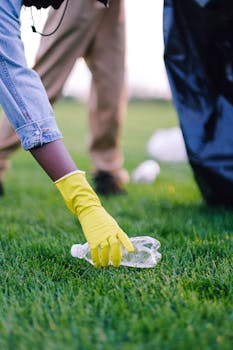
[69, 174]
[77, 193]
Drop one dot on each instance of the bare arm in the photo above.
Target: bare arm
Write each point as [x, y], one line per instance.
[55, 159]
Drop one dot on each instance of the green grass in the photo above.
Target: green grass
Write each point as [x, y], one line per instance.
[51, 301]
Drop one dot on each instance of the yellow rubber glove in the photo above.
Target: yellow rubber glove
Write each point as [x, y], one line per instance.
[103, 234]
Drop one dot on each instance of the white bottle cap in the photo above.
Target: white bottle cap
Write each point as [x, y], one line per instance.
[76, 251]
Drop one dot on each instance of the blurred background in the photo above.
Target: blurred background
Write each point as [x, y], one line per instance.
[145, 72]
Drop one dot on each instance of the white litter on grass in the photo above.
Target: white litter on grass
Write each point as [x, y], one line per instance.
[146, 172]
[167, 145]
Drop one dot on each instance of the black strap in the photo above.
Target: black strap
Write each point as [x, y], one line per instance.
[56, 28]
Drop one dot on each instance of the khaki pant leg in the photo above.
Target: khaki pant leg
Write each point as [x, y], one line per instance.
[58, 53]
[9, 142]
[106, 60]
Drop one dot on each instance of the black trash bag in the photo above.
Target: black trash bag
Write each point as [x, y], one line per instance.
[198, 38]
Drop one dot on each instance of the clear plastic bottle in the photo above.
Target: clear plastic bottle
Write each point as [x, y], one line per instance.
[145, 255]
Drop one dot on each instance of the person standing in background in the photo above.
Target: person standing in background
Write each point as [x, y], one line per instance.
[97, 34]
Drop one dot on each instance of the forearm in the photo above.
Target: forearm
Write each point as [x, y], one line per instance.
[55, 159]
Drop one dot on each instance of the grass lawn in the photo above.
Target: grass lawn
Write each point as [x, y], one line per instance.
[49, 300]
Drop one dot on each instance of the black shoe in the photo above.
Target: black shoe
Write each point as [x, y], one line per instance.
[107, 184]
[1, 189]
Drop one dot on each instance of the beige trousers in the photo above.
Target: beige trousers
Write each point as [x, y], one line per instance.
[98, 35]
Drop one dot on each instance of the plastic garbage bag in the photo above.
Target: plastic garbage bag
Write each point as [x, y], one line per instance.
[167, 145]
[198, 55]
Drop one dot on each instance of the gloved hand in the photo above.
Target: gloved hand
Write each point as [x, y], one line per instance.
[43, 3]
[103, 234]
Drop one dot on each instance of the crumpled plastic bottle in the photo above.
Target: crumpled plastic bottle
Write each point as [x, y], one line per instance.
[146, 253]
[146, 172]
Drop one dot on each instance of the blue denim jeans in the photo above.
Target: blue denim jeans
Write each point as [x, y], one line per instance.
[22, 94]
